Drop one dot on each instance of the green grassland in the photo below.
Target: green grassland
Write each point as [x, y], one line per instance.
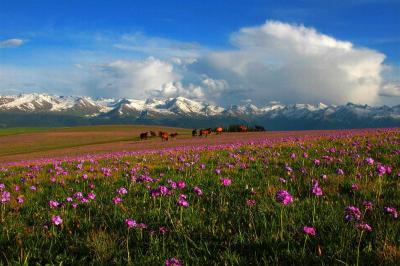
[218, 227]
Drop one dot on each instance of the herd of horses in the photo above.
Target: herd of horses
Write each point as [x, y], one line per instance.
[201, 133]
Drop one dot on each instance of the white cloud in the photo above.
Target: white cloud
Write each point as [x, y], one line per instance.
[391, 89]
[11, 43]
[274, 61]
[130, 78]
[292, 63]
[175, 89]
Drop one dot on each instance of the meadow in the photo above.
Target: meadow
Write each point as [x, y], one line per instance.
[313, 199]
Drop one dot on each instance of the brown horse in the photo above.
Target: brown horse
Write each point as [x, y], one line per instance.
[153, 134]
[219, 130]
[205, 132]
[163, 135]
[143, 135]
[194, 132]
[173, 135]
[242, 128]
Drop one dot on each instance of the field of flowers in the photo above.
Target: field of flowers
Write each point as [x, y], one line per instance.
[328, 200]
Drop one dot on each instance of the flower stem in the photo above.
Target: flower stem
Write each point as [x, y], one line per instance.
[358, 247]
[181, 215]
[304, 245]
[127, 248]
[313, 214]
[281, 233]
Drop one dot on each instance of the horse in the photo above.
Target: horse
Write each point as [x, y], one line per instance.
[242, 128]
[173, 135]
[153, 134]
[194, 132]
[143, 135]
[219, 130]
[163, 135]
[205, 132]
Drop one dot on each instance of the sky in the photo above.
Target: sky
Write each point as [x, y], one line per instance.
[222, 52]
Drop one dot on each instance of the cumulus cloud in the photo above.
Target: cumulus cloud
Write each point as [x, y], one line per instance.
[391, 89]
[274, 61]
[175, 89]
[292, 63]
[11, 43]
[130, 78]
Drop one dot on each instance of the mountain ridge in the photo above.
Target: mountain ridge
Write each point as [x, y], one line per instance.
[180, 111]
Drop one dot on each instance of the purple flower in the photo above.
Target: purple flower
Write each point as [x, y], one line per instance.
[217, 171]
[53, 203]
[163, 230]
[250, 202]
[197, 191]
[32, 188]
[130, 223]
[364, 227]
[5, 197]
[352, 213]
[340, 171]
[392, 211]
[308, 230]
[91, 195]
[78, 195]
[182, 201]
[181, 184]
[117, 200]
[142, 226]
[2, 186]
[226, 181]
[355, 186]
[173, 262]
[317, 162]
[20, 199]
[381, 169]
[368, 205]
[369, 161]
[316, 189]
[283, 197]
[56, 220]
[122, 191]
[163, 190]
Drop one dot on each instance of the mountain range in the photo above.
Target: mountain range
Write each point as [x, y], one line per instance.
[39, 109]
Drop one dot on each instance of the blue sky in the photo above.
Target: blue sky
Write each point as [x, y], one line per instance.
[59, 37]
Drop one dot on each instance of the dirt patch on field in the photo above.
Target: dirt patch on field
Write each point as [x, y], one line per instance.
[105, 142]
[56, 139]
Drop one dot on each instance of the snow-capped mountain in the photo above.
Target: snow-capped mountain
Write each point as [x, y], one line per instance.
[44, 109]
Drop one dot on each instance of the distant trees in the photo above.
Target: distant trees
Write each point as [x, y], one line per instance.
[239, 128]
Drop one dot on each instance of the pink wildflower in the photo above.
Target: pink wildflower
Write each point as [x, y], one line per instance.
[308, 230]
[283, 197]
[56, 220]
[226, 181]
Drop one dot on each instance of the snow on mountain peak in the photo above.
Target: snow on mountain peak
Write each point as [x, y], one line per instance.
[154, 107]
